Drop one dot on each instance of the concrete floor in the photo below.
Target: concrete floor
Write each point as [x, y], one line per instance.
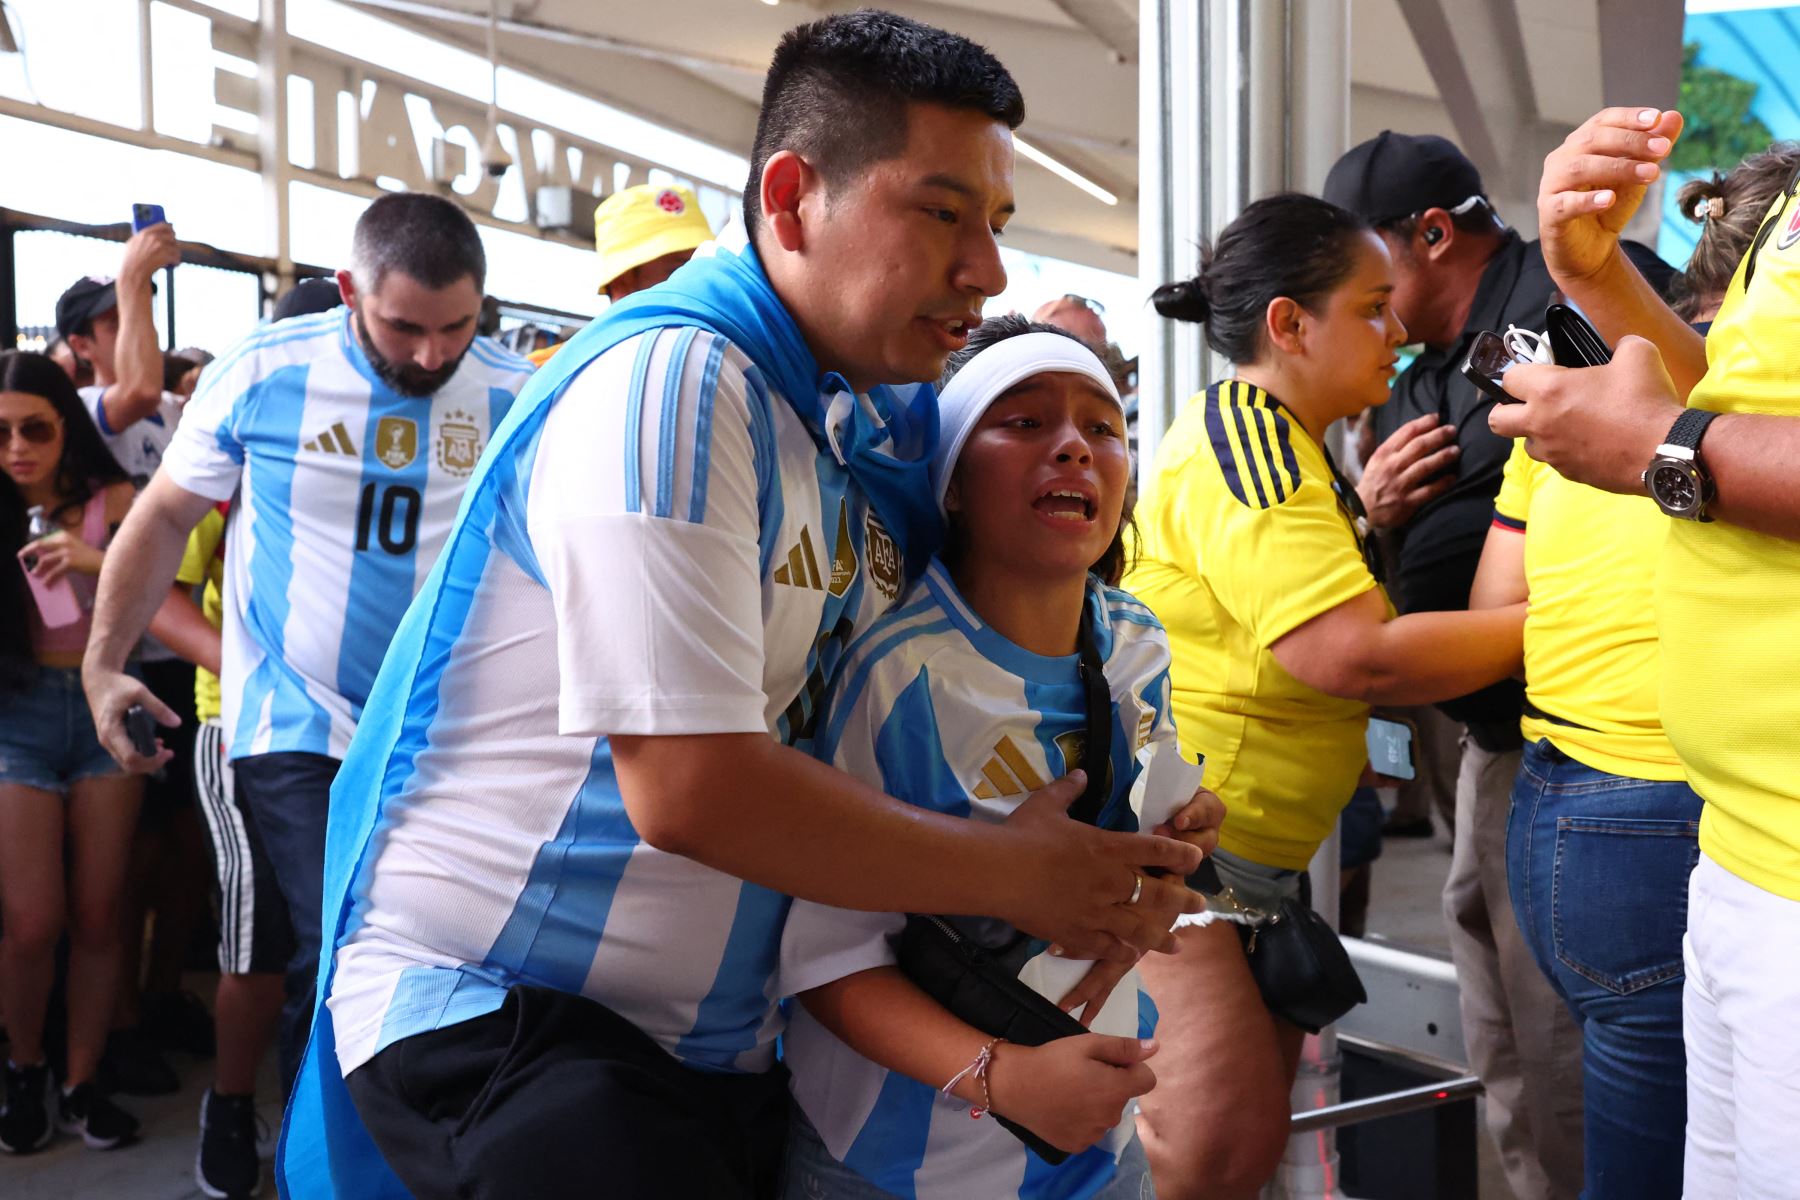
[1404, 907]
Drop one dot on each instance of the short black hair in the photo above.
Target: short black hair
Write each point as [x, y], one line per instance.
[1289, 245]
[424, 236]
[991, 332]
[838, 89]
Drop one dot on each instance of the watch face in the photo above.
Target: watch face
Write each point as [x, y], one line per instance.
[1674, 487]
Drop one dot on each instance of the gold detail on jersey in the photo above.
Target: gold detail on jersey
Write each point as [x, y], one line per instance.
[396, 441]
[335, 440]
[1073, 745]
[1008, 773]
[1146, 724]
[458, 443]
[801, 569]
[882, 555]
[843, 562]
[1009, 753]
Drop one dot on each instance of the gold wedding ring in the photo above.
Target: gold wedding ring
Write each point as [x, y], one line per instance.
[1137, 888]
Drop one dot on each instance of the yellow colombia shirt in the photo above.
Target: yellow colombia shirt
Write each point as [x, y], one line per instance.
[1242, 539]
[1728, 600]
[1590, 635]
[204, 562]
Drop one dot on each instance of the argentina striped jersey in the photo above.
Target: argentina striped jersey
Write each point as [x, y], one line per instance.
[938, 709]
[347, 492]
[670, 551]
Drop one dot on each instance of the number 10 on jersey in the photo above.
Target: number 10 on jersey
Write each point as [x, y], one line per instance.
[391, 514]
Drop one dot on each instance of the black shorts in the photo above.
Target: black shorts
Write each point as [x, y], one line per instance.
[557, 1095]
[255, 934]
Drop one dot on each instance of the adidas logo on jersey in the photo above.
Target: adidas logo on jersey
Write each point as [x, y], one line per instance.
[1007, 773]
[335, 440]
[801, 569]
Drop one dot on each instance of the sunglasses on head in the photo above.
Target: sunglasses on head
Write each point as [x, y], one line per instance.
[36, 430]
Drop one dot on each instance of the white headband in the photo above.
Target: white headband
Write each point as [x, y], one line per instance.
[988, 375]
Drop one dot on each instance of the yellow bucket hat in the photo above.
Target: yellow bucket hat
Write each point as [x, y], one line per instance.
[638, 224]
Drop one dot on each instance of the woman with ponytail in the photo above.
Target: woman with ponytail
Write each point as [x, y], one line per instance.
[1251, 553]
[1729, 210]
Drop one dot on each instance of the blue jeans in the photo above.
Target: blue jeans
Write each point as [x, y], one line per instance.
[1598, 865]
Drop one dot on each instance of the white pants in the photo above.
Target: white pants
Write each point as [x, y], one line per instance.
[1741, 1022]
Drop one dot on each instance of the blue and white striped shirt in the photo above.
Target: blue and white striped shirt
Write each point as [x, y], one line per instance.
[674, 554]
[936, 708]
[347, 493]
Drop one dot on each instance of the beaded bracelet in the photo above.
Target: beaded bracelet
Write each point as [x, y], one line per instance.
[980, 1066]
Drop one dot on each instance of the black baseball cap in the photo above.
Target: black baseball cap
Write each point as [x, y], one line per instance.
[1394, 175]
[314, 294]
[85, 299]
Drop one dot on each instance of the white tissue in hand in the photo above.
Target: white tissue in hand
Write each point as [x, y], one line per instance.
[1165, 785]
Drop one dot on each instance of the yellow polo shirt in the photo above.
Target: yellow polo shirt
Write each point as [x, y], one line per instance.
[1242, 539]
[1728, 600]
[1591, 661]
[203, 561]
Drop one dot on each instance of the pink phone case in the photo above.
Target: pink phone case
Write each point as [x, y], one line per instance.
[56, 602]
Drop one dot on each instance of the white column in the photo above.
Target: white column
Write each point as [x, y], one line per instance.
[272, 66]
[1237, 99]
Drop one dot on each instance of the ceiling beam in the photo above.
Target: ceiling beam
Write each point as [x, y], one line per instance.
[1115, 28]
[1640, 51]
[1475, 51]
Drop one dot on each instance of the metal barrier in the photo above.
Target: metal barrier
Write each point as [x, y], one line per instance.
[1391, 1104]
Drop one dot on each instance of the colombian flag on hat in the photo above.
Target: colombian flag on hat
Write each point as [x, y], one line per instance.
[639, 224]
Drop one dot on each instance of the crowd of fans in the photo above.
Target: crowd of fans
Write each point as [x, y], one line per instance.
[492, 709]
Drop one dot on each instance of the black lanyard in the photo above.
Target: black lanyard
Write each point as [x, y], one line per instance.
[1768, 227]
[1096, 757]
[1352, 506]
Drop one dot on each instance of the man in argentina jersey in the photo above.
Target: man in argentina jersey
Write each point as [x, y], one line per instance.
[943, 711]
[348, 438]
[581, 743]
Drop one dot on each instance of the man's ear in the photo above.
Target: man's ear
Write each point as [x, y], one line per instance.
[952, 497]
[787, 180]
[1282, 324]
[82, 346]
[347, 287]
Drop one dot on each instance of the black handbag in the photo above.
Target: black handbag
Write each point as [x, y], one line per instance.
[1300, 965]
[981, 985]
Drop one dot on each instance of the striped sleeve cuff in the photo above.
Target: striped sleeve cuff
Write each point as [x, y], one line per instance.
[1502, 521]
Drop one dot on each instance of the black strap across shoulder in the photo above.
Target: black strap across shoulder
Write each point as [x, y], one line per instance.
[1096, 758]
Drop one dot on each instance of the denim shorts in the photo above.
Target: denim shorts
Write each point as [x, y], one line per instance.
[47, 738]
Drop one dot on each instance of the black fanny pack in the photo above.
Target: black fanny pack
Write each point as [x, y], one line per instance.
[981, 986]
[1300, 965]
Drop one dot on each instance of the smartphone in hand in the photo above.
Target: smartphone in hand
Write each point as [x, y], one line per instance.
[1390, 745]
[1486, 366]
[140, 727]
[143, 216]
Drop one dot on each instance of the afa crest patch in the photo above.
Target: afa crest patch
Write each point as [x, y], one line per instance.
[458, 443]
[883, 557]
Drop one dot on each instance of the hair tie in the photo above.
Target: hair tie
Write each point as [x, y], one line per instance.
[1708, 207]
